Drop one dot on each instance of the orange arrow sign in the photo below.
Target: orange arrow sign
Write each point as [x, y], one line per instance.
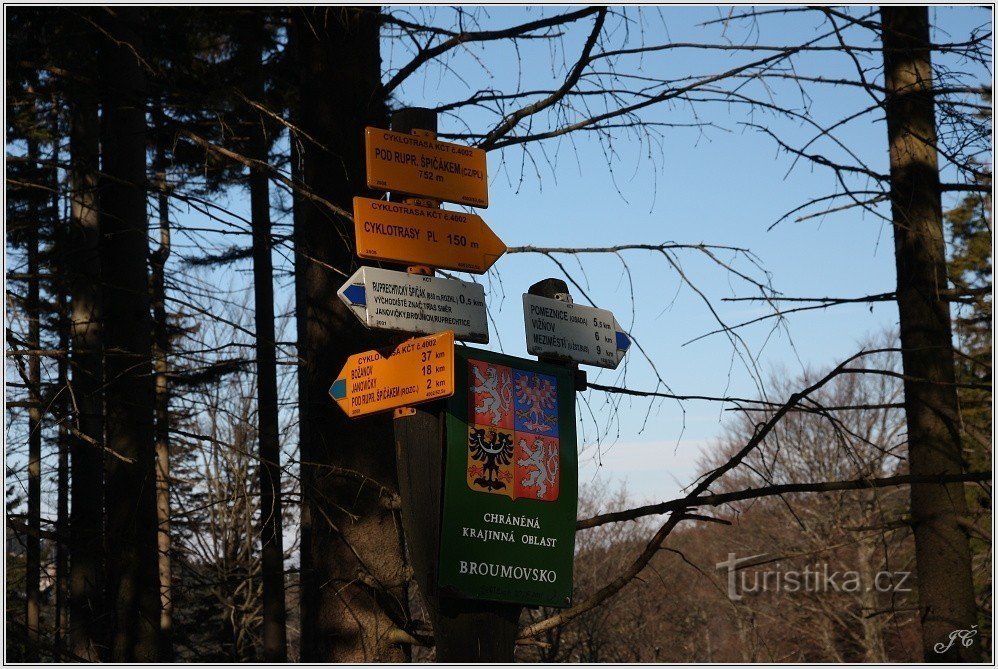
[421, 166]
[419, 370]
[407, 233]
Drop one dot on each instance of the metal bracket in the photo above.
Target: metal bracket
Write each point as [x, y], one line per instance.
[564, 297]
[421, 270]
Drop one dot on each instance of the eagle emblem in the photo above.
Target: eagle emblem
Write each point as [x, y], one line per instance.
[494, 450]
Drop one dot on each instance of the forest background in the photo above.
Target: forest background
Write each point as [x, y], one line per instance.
[697, 171]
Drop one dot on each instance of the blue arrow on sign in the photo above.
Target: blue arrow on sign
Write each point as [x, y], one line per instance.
[339, 389]
[356, 294]
[623, 341]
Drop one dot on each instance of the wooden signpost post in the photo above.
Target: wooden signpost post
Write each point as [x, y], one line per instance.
[464, 630]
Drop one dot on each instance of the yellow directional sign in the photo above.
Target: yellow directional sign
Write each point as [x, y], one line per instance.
[415, 165]
[419, 370]
[408, 233]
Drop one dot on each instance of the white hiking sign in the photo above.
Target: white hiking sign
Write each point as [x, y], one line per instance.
[417, 304]
[573, 332]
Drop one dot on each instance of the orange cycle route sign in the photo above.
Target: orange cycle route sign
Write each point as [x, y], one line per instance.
[408, 233]
[419, 370]
[415, 165]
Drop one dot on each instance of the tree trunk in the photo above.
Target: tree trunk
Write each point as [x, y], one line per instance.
[353, 578]
[161, 348]
[33, 556]
[133, 578]
[306, 585]
[272, 538]
[942, 552]
[62, 468]
[87, 622]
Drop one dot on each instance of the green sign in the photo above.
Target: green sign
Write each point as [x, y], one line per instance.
[510, 481]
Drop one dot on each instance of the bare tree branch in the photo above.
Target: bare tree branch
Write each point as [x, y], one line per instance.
[773, 490]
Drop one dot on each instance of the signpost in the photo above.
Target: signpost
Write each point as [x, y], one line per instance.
[488, 476]
[419, 370]
[510, 481]
[574, 332]
[406, 163]
[407, 233]
[390, 300]
[488, 470]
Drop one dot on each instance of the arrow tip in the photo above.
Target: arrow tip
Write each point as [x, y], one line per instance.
[339, 389]
[355, 294]
[493, 248]
[623, 341]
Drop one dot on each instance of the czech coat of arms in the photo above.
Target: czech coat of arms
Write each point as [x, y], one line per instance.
[513, 444]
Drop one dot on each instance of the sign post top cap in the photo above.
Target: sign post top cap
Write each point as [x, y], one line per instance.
[408, 119]
[549, 287]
